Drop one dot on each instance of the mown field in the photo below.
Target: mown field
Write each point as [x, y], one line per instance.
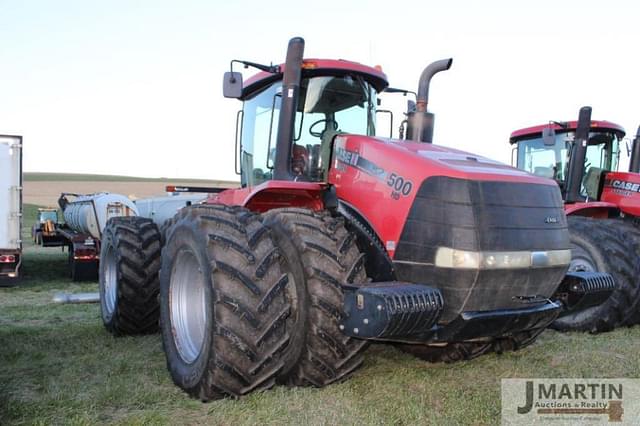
[59, 366]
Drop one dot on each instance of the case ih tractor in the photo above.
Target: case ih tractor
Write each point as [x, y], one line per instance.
[338, 237]
[603, 206]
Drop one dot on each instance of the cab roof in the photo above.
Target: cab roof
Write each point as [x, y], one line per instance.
[318, 67]
[571, 125]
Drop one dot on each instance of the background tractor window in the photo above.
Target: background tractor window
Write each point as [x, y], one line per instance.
[550, 161]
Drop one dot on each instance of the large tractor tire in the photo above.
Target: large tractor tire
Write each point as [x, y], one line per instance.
[225, 303]
[466, 351]
[129, 285]
[451, 352]
[630, 230]
[601, 245]
[321, 255]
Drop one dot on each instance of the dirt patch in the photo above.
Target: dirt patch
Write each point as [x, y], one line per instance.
[46, 193]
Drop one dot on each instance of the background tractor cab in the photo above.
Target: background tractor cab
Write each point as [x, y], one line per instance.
[585, 166]
[545, 151]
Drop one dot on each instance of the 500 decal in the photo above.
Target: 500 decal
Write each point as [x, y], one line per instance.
[400, 185]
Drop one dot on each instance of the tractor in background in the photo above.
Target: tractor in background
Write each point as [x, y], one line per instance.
[337, 238]
[603, 206]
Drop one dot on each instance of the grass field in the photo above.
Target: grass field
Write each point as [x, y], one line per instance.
[59, 366]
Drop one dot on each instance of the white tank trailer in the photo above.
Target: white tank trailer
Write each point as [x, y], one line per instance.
[161, 209]
[10, 208]
[85, 218]
[88, 214]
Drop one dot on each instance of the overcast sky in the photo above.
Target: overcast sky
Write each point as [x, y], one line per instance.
[135, 87]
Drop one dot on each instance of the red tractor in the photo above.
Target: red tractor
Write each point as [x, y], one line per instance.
[337, 237]
[603, 206]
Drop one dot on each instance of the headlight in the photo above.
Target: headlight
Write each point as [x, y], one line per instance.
[461, 259]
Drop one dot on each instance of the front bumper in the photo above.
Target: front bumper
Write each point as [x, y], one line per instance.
[405, 312]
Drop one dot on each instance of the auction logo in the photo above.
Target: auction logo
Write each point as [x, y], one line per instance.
[570, 401]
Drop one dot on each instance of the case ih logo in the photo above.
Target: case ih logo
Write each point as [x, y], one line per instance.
[623, 185]
[570, 401]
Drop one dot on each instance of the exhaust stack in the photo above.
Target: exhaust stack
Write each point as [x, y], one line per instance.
[288, 108]
[634, 164]
[420, 122]
[578, 153]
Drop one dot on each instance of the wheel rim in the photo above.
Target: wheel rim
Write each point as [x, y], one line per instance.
[582, 264]
[187, 305]
[110, 282]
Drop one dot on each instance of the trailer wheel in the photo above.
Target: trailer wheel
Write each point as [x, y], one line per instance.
[321, 255]
[225, 303]
[129, 286]
[600, 245]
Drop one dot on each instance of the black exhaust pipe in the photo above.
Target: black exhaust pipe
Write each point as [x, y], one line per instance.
[634, 163]
[578, 153]
[288, 108]
[420, 122]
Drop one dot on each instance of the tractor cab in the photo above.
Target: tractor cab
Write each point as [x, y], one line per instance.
[335, 97]
[545, 151]
[47, 215]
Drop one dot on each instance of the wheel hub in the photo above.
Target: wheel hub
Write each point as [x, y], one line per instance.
[187, 306]
[110, 282]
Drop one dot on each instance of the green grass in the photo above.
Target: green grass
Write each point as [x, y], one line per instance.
[74, 177]
[59, 366]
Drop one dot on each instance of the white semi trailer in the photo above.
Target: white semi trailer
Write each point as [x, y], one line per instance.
[10, 208]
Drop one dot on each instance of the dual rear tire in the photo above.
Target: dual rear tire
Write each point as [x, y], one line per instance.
[605, 245]
[247, 302]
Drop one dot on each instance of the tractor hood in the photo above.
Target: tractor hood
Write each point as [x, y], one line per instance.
[438, 212]
[455, 163]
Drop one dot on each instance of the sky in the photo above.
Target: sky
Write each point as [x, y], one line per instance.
[135, 87]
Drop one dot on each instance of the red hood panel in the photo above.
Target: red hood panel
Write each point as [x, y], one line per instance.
[439, 160]
[379, 178]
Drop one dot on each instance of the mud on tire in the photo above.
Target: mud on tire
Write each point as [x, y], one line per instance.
[225, 303]
[321, 255]
[601, 245]
[129, 265]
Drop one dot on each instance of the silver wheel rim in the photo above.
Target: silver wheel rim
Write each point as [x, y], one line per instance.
[187, 305]
[110, 282]
[581, 264]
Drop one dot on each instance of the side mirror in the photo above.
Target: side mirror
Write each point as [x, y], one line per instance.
[232, 85]
[411, 106]
[549, 136]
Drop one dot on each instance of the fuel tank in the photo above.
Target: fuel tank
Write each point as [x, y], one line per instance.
[89, 213]
[487, 235]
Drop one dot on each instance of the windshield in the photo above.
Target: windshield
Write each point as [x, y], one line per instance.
[551, 161]
[328, 106]
[46, 215]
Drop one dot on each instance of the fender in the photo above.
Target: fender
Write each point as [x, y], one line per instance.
[377, 263]
[594, 209]
[274, 194]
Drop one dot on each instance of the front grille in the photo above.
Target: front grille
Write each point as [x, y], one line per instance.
[482, 216]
